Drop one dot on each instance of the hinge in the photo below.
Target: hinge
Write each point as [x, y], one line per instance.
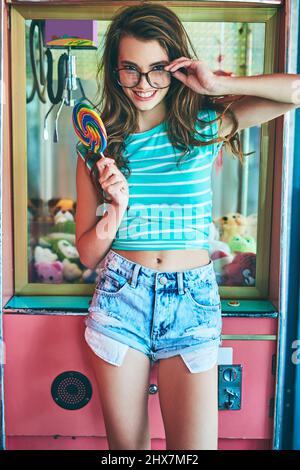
[8, 17]
[271, 407]
[273, 364]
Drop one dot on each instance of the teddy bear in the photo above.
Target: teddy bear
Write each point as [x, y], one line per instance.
[61, 210]
[47, 267]
[233, 223]
[59, 245]
[49, 272]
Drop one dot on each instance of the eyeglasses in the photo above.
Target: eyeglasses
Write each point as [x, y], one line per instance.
[129, 78]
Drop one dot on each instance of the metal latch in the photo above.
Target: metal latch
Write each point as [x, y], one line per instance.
[230, 386]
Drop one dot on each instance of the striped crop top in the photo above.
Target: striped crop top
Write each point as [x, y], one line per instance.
[169, 207]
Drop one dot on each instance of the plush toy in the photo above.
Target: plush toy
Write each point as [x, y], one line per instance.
[220, 259]
[59, 245]
[49, 272]
[231, 224]
[215, 244]
[238, 243]
[71, 271]
[61, 210]
[65, 230]
[69, 268]
[241, 272]
[35, 210]
[44, 255]
[65, 249]
[219, 251]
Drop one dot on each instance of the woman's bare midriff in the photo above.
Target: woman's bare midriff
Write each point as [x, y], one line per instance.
[167, 260]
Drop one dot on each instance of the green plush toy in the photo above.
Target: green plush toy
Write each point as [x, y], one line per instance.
[242, 244]
[67, 253]
[65, 250]
[65, 230]
[67, 227]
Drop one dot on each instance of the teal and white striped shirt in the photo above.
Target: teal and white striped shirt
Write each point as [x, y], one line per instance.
[169, 207]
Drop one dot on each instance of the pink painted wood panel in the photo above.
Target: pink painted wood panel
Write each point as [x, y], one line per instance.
[252, 421]
[249, 326]
[40, 347]
[100, 443]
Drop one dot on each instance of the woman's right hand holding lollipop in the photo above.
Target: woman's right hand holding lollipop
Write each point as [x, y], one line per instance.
[90, 129]
[113, 182]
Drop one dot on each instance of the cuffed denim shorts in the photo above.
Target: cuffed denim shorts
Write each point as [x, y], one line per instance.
[161, 314]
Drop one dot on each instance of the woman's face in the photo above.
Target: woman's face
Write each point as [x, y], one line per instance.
[142, 55]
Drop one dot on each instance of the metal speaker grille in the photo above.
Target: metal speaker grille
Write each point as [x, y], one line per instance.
[71, 390]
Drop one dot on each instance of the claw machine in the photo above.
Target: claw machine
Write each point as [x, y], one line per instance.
[49, 54]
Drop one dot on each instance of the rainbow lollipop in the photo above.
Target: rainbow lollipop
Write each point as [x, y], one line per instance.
[90, 129]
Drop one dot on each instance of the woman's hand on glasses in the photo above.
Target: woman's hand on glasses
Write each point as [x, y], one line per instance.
[199, 77]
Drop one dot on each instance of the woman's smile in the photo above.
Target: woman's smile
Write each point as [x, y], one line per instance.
[144, 95]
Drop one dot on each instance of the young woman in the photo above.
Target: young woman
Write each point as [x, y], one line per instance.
[156, 296]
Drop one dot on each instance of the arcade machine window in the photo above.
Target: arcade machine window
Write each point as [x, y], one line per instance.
[44, 162]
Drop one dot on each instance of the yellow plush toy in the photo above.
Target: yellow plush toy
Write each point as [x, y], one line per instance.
[231, 224]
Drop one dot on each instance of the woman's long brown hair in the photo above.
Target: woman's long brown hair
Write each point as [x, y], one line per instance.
[149, 21]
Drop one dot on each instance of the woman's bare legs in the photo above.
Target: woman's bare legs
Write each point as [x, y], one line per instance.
[189, 405]
[124, 398]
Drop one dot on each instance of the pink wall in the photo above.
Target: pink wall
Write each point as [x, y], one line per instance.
[40, 347]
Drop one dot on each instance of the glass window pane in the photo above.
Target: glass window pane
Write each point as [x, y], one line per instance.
[229, 48]
[233, 49]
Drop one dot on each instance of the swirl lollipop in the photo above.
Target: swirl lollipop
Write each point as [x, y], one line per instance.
[90, 129]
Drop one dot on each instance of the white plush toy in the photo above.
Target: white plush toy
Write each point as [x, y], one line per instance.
[44, 255]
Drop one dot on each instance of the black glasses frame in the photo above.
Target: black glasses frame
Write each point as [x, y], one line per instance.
[116, 71]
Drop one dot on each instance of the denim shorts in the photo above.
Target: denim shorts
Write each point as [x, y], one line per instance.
[161, 314]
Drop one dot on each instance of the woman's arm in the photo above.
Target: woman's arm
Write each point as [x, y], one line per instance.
[281, 87]
[252, 111]
[270, 95]
[93, 236]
